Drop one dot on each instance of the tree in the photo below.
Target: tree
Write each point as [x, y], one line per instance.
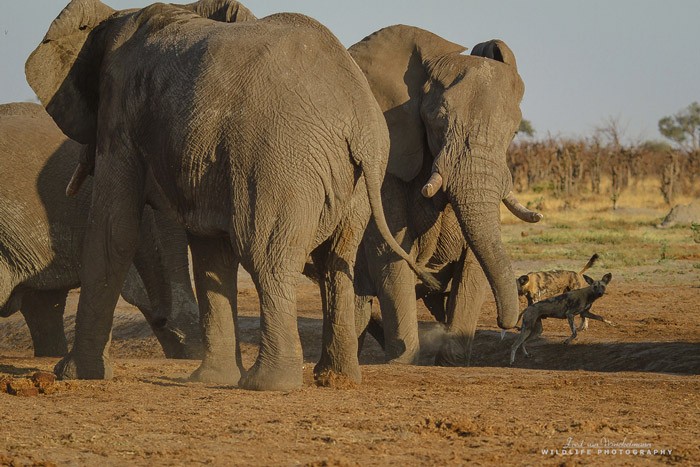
[526, 128]
[612, 131]
[655, 146]
[683, 128]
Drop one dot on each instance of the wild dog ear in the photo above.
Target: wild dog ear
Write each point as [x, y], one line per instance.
[589, 280]
[607, 278]
[524, 279]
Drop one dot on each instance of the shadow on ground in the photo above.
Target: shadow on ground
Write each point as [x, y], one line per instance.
[15, 370]
[548, 354]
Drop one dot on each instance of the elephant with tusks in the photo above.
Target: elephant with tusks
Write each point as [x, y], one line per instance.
[451, 118]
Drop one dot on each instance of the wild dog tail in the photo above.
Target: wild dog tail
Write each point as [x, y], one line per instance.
[590, 263]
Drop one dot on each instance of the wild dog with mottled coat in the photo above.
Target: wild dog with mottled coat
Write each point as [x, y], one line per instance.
[567, 305]
[536, 286]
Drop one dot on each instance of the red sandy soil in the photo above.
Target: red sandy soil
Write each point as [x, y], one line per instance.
[634, 383]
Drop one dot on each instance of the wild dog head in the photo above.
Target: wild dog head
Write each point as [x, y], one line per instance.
[599, 286]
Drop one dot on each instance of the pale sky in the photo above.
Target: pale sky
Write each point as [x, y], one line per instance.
[582, 61]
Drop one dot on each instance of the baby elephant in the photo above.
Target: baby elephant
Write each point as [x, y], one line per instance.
[568, 305]
[536, 286]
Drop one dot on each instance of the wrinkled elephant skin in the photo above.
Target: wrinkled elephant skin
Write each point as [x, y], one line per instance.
[41, 234]
[262, 136]
[451, 118]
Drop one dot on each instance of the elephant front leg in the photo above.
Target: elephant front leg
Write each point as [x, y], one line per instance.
[43, 313]
[215, 269]
[397, 301]
[469, 289]
[184, 316]
[157, 308]
[108, 249]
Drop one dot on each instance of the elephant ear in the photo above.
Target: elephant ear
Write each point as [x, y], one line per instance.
[392, 59]
[495, 49]
[225, 11]
[63, 69]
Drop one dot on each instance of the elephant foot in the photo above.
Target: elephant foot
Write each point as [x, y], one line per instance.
[176, 346]
[70, 368]
[446, 360]
[172, 342]
[331, 379]
[452, 353]
[339, 375]
[405, 359]
[225, 374]
[273, 378]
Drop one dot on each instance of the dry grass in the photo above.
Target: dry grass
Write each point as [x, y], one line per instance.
[626, 238]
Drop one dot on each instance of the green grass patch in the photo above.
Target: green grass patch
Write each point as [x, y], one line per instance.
[605, 237]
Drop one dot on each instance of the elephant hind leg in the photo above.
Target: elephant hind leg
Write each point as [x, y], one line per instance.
[275, 271]
[215, 267]
[342, 309]
[43, 313]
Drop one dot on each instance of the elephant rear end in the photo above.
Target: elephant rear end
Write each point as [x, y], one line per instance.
[37, 246]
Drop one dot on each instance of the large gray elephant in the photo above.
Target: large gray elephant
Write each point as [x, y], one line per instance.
[451, 118]
[263, 136]
[41, 235]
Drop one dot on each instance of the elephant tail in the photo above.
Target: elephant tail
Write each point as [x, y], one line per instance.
[373, 183]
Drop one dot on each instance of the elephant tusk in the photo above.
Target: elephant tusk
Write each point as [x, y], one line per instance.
[433, 185]
[503, 334]
[520, 211]
[79, 175]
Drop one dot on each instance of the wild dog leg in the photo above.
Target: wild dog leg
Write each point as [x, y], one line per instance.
[588, 314]
[570, 319]
[524, 334]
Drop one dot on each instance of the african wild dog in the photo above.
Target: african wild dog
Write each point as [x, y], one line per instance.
[568, 305]
[536, 286]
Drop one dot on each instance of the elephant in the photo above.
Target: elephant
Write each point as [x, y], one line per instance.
[265, 139]
[451, 118]
[42, 231]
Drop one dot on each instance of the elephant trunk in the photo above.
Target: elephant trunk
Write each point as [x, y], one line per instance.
[476, 204]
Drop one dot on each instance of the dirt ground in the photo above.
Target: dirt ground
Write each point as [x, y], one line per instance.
[617, 395]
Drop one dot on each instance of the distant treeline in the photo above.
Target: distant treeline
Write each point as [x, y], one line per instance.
[573, 167]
